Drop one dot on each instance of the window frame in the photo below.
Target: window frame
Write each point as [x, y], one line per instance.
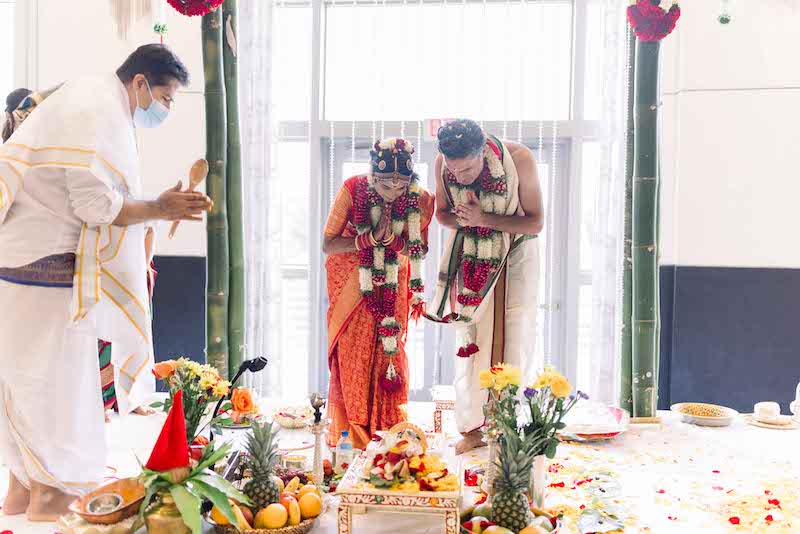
[570, 136]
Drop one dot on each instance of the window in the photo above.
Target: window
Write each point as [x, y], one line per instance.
[527, 69]
[7, 49]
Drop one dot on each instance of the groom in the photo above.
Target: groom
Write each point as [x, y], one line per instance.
[488, 194]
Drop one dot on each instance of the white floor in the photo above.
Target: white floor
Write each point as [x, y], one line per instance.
[134, 437]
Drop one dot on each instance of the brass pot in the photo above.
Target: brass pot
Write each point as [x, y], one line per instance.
[165, 517]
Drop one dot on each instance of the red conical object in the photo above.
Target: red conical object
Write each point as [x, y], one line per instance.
[171, 450]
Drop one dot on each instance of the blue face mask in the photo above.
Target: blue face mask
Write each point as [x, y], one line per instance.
[153, 116]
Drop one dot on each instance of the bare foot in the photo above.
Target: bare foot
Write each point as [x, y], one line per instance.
[47, 503]
[471, 440]
[141, 410]
[18, 497]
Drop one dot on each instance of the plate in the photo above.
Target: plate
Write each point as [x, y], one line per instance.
[701, 414]
[792, 425]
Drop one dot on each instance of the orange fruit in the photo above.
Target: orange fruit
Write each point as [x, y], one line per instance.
[310, 505]
[294, 511]
[308, 488]
[273, 516]
[218, 517]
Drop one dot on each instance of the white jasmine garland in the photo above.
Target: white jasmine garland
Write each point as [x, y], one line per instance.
[365, 279]
[391, 273]
[397, 226]
[416, 269]
[470, 247]
[414, 227]
[485, 248]
[378, 256]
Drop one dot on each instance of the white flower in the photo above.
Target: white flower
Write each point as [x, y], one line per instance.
[365, 279]
[409, 147]
[468, 311]
[389, 344]
[485, 249]
[414, 226]
[495, 165]
[388, 321]
[497, 244]
[375, 215]
[386, 144]
[391, 273]
[397, 226]
[487, 203]
[416, 270]
[378, 254]
[470, 245]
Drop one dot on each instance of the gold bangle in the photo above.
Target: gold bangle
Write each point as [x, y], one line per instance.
[358, 249]
[387, 242]
[372, 239]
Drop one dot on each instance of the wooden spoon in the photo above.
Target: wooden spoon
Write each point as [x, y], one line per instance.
[197, 174]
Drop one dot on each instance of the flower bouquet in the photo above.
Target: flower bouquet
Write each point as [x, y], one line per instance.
[240, 410]
[201, 385]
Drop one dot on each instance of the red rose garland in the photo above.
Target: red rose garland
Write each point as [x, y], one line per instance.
[193, 8]
[378, 265]
[650, 22]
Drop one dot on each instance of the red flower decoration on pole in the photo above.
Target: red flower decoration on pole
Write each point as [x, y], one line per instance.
[650, 22]
[194, 8]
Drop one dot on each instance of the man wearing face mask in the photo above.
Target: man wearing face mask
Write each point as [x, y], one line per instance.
[72, 234]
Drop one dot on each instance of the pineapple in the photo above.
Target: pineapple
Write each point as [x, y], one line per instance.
[262, 455]
[510, 507]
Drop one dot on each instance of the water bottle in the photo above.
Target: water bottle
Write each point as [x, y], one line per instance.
[344, 453]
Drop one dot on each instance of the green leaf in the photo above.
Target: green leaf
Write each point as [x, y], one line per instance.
[157, 405]
[189, 507]
[213, 458]
[550, 451]
[217, 498]
[561, 426]
[216, 481]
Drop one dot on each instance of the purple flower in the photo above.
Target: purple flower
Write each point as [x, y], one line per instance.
[530, 392]
[583, 395]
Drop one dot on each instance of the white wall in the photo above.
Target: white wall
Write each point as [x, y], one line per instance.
[730, 135]
[69, 39]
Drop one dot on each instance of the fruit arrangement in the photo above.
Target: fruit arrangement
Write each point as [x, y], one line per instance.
[400, 464]
[478, 520]
[276, 504]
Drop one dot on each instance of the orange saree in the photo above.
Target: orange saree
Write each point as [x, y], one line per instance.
[356, 358]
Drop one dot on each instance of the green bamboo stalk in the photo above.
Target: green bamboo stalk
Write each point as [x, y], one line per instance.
[626, 380]
[646, 320]
[217, 265]
[237, 280]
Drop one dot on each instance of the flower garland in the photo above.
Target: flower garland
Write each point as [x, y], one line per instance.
[482, 247]
[650, 22]
[192, 8]
[378, 265]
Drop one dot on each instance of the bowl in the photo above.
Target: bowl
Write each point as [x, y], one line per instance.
[110, 504]
[698, 413]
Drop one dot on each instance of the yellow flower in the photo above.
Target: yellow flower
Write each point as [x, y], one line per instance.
[221, 388]
[560, 386]
[500, 376]
[486, 378]
[508, 376]
[207, 382]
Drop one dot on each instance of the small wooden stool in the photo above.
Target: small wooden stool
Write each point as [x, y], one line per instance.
[445, 399]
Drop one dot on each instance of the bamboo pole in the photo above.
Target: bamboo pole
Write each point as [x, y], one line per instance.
[237, 281]
[626, 380]
[646, 320]
[217, 265]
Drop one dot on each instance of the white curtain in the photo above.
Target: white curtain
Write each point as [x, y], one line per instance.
[262, 225]
[607, 227]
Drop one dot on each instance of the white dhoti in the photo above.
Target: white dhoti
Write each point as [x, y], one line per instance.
[508, 332]
[503, 325]
[64, 175]
[52, 429]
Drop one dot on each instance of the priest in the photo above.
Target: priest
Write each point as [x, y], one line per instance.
[72, 270]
